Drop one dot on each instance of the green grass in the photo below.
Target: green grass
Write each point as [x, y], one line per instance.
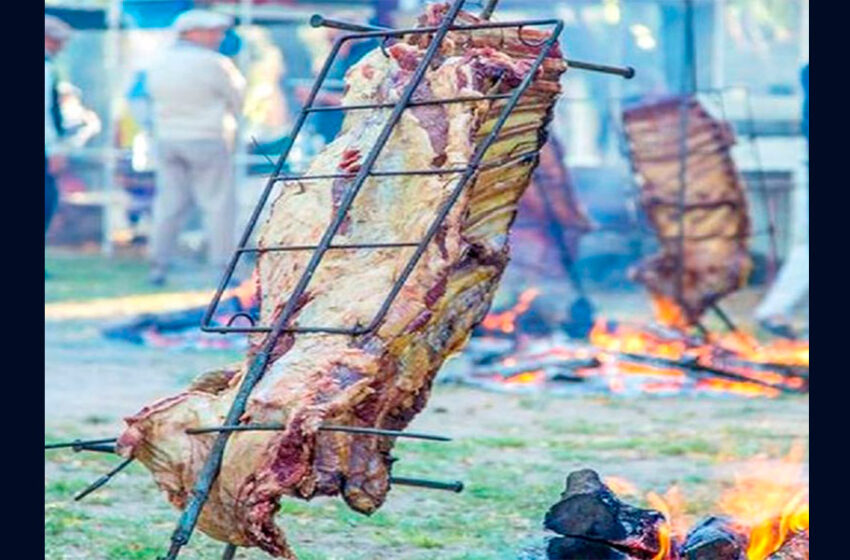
[510, 482]
[513, 458]
[75, 276]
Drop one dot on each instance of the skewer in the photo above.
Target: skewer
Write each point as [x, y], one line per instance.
[317, 20]
[454, 486]
[325, 428]
[100, 448]
[488, 9]
[727, 321]
[261, 359]
[79, 443]
[104, 479]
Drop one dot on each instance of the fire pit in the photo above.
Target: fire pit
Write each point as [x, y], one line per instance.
[519, 349]
[762, 520]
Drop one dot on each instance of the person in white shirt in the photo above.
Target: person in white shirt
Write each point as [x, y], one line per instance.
[197, 94]
[56, 34]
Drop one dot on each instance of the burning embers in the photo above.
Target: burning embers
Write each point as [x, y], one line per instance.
[512, 352]
[762, 520]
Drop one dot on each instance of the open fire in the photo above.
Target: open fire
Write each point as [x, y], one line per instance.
[624, 357]
[763, 516]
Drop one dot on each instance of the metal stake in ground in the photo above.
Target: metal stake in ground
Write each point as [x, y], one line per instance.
[104, 479]
[325, 428]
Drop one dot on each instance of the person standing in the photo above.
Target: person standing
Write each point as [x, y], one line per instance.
[56, 35]
[792, 284]
[197, 94]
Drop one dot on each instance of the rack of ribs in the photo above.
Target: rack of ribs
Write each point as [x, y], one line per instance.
[381, 379]
[712, 216]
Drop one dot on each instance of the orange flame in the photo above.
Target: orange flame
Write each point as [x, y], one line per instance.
[246, 292]
[505, 321]
[672, 505]
[668, 313]
[665, 531]
[633, 340]
[620, 486]
[730, 352]
[771, 501]
[526, 378]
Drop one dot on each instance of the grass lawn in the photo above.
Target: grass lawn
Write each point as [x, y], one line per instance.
[512, 452]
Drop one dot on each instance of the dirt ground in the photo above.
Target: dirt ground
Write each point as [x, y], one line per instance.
[512, 452]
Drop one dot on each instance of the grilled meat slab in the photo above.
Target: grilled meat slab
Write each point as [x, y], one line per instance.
[384, 378]
[714, 259]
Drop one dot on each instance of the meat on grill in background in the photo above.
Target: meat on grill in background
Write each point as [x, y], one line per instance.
[713, 260]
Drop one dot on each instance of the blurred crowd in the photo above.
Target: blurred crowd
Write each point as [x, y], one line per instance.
[185, 106]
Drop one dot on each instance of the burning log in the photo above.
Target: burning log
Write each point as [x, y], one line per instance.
[593, 523]
[555, 366]
[715, 538]
[795, 548]
[598, 525]
[568, 548]
[692, 367]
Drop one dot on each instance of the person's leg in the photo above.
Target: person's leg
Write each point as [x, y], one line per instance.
[171, 202]
[792, 283]
[215, 192]
[51, 197]
[790, 287]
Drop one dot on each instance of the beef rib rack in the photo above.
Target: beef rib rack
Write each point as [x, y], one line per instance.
[380, 379]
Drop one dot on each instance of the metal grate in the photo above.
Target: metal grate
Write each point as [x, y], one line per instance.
[261, 359]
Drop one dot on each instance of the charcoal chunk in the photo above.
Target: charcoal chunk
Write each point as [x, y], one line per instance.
[589, 510]
[715, 538]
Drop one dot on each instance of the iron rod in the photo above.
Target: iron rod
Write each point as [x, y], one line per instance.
[426, 102]
[454, 486]
[229, 552]
[324, 427]
[627, 72]
[98, 447]
[727, 321]
[270, 183]
[487, 12]
[104, 479]
[525, 156]
[280, 248]
[373, 31]
[689, 87]
[317, 20]
[79, 442]
[693, 367]
[382, 432]
[209, 471]
[473, 168]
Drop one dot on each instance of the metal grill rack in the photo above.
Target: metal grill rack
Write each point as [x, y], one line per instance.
[283, 323]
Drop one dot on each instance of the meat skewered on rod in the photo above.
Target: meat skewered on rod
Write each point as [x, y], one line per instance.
[304, 374]
[702, 229]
